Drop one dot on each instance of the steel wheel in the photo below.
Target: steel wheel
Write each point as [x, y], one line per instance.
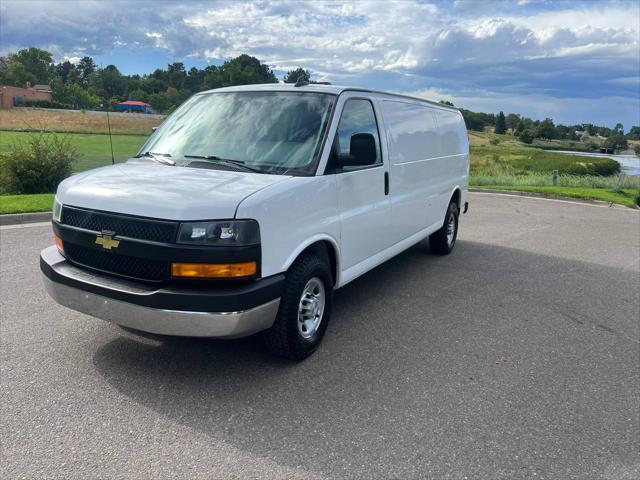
[311, 307]
[451, 228]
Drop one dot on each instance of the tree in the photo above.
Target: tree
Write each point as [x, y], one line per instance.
[152, 85]
[138, 94]
[562, 131]
[166, 102]
[447, 102]
[64, 71]
[513, 119]
[245, 70]
[28, 65]
[242, 70]
[616, 142]
[477, 120]
[526, 136]
[86, 67]
[73, 94]
[618, 129]
[501, 124]
[292, 76]
[109, 82]
[546, 129]
[634, 133]
[194, 79]
[176, 75]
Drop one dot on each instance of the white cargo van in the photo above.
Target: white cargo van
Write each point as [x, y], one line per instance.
[250, 205]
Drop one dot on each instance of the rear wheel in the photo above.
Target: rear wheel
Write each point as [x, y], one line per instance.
[443, 241]
[305, 309]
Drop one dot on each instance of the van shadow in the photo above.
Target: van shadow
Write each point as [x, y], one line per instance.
[411, 343]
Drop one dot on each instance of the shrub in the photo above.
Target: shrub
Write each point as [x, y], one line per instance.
[38, 164]
[637, 199]
[636, 148]
[44, 104]
[4, 176]
[604, 167]
[494, 141]
[526, 136]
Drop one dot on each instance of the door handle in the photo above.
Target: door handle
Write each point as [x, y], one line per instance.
[386, 183]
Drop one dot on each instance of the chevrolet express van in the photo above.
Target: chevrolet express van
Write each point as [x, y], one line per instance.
[250, 205]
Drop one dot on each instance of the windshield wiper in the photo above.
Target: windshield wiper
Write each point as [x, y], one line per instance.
[228, 161]
[157, 157]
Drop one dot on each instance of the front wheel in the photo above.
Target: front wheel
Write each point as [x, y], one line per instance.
[305, 309]
[443, 241]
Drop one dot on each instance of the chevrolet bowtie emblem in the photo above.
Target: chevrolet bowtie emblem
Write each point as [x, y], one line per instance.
[107, 241]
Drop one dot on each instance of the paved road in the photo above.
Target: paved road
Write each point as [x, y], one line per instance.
[515, 357]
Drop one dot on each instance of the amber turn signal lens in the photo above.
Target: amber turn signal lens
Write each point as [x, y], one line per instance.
[213, 270]
[59, 243]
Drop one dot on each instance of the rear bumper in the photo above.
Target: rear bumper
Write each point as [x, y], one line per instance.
[182, 310]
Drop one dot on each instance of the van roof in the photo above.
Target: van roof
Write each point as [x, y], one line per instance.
[318, 88]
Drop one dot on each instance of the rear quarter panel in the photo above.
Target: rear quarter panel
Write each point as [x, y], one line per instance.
[429, 159]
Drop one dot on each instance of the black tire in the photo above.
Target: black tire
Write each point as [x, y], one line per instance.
[284, 338]
[438, 241]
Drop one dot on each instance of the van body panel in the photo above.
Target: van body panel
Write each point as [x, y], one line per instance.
[363, 267]
[364, 214]
[291, 214]
[428, 159]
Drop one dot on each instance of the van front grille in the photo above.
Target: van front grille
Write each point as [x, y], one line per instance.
[110, 262]
[122, 225]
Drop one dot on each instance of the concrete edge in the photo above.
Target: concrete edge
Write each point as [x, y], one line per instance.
[20, 218]
[519, 193]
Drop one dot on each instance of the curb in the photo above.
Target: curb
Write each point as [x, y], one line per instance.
[519, 193]
[20, 218]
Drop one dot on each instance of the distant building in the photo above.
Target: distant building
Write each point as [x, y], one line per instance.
[134, 106]
[12, 96]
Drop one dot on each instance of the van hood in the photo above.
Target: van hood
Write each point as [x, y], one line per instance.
[161, 191]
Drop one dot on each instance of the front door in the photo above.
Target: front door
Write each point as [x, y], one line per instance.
[363, 202]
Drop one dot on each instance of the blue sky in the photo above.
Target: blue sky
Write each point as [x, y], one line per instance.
[575, 61]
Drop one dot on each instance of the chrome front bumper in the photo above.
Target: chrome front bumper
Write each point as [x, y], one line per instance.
[139, 317]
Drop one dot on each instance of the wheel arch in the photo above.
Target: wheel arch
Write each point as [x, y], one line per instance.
[321, 245]
[456, 196]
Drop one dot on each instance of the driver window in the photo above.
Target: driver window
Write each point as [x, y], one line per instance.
[358, 118]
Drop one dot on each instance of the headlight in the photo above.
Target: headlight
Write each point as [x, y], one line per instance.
[57, 210]
[232, 232]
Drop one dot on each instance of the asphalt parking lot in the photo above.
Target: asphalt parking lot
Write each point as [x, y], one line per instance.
[518, 356]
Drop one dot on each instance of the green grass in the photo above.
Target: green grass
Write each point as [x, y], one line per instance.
[624, 197]
[502, 162]
[511, 156]
[546, 179]
[93, 148]
[564, 145]
[41, 202]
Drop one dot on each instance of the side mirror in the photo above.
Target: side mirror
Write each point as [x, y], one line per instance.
[362, 151]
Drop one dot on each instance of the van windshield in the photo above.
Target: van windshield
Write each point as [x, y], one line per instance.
[269, 132]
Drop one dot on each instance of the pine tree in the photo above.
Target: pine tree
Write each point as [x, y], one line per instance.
[501, 124]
